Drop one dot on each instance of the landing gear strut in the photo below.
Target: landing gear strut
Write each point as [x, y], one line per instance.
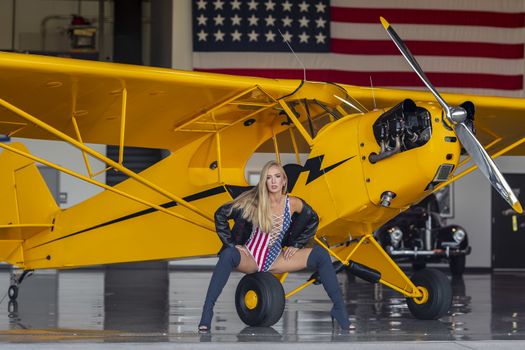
[16, 280]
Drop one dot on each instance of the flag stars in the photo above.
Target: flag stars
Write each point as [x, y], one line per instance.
[236, 35]
[236, 5]
[303, 7]
[270, 36]
[202, 20]
[252, 5]
[287, 6]
[320, 7]
[303, 37]
[253, 20]
[201, 5]
[320, 22]
[236, 20]
[219, 35]
[320, 38]
[303, 21]
[202, 35]
[270, 21]
[270, 5]
[287, 36]
[218, 4]
[219, 20]
[253, 35]
[287, 21]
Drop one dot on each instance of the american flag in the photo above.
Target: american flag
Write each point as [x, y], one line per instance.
[469, 46]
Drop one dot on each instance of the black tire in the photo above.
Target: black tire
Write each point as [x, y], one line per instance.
[457, 265]
[270, 299]
[418, 265]
[12, 308]
[12, 292]
[439, 295]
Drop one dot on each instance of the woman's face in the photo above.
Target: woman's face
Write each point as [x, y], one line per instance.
[274, 180]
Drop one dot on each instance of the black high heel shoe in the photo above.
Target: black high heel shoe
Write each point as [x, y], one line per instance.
[342, 319]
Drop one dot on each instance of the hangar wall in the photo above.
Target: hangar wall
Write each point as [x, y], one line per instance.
[473, 209]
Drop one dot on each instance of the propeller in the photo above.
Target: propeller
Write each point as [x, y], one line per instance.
[457, 115]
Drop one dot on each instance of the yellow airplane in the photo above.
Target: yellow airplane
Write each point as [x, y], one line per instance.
[365, 165]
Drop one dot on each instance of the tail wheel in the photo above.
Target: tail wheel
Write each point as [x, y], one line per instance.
[12, 292]
[436, 295]
[259, 299]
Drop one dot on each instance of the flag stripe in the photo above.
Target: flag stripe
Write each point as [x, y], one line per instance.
[466, 5]
[374, 31]
[428, 16]
[489, 81]
[429, 48]
[365, 63]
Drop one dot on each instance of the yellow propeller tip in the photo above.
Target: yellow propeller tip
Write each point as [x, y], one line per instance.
[384, 22]
[517, 208]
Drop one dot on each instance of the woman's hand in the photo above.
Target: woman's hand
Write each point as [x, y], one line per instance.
[243, 249]
[289, 252]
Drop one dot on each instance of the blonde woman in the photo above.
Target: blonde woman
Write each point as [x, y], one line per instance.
[270, 232]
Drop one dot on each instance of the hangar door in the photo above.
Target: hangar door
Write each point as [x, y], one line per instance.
[508, 227]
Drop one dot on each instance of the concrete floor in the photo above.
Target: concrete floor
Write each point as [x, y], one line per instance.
[156, 306]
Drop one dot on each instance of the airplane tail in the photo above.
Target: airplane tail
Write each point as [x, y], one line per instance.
[26, 205]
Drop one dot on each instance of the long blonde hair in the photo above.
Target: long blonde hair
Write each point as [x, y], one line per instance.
[255, 203]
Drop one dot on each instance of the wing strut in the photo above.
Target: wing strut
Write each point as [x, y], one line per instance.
[96, 183]
[102, 158]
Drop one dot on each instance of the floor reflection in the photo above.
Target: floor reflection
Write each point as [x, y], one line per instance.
[157, 305]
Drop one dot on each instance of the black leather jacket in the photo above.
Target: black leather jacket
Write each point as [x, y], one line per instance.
[301, 230]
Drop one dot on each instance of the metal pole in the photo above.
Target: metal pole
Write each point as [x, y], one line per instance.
[101, 16]
[13, 26]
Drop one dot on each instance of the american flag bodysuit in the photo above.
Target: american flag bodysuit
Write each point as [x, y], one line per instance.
[260, 246]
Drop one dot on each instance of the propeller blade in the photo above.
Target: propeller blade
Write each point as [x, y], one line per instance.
[413, 63]
[457, 116]
[486, 165]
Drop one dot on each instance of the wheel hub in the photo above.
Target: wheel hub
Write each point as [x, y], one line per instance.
[251, 300]
[424, 295]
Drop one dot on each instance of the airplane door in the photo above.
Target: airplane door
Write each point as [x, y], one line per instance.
[508, 227]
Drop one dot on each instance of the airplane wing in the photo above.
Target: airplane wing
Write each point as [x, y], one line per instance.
[499, 121]
[164, 108]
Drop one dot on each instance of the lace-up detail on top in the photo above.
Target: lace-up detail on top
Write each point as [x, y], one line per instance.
[266, 247]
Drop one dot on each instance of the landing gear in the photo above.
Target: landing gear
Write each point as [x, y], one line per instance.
[436, 296]
[16, 280]
[259, 299]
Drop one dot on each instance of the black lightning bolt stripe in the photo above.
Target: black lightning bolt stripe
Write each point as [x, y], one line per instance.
[190, 198]
[313, 166]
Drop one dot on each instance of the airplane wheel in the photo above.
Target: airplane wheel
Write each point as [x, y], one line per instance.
[457, 265]
[437, 295]
[259, 299]
[12, 308]
[12, 292]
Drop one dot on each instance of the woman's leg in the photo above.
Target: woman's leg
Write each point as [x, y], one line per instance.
[229, 259]
[296, 263]
[319, 259]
